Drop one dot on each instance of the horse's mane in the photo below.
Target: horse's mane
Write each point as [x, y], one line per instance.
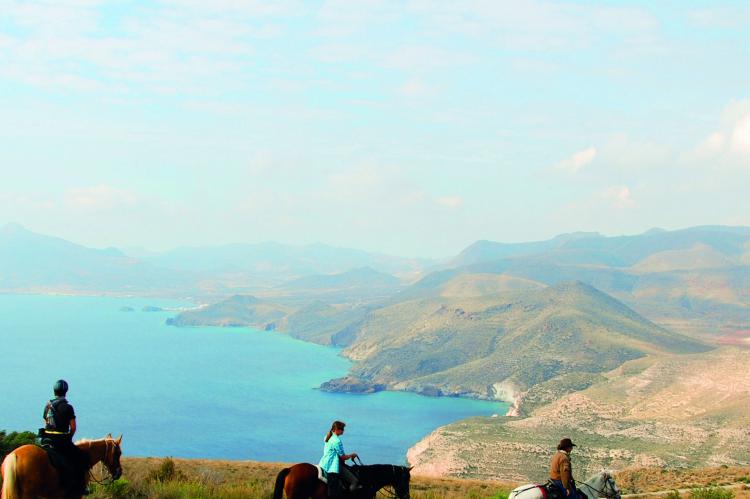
[90, 441]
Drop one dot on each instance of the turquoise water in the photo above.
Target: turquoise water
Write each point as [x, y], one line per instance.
[197, 392]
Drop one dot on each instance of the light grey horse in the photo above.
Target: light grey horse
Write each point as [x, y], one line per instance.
[601, 484]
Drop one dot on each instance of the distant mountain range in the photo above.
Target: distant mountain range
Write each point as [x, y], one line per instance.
[591, 248]
[499, 319]
[280, 262]
[31, 262]
[580, 326]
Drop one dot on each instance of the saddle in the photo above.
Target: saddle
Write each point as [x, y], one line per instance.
[343, 484]
[322, 474]
[69, 469]
[551, 491]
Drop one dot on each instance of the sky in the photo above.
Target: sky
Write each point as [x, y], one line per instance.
[411, 128]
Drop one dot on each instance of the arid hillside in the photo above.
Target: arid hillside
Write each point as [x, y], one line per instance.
[666, 411]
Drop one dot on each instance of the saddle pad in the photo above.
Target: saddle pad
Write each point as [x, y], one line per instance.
[58, 460]
[322, 475]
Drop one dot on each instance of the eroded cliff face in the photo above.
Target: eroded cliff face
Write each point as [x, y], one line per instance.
[669, 411]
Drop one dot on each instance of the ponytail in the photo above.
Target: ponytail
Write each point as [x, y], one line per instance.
[336, 425]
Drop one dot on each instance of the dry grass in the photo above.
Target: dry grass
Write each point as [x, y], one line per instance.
[655, 479]
[198, 478]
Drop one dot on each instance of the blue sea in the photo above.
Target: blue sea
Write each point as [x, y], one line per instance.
[215, 393]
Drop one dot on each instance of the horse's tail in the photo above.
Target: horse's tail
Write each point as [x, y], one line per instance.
[9, 478]
[278, 489]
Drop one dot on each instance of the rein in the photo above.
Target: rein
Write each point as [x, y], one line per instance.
[386, 490]
[106, 480]
[602, 492]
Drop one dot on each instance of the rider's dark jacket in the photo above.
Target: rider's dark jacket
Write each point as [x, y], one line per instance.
[58, 414]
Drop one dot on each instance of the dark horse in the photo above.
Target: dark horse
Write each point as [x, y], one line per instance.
[301, 482]
[28, 474]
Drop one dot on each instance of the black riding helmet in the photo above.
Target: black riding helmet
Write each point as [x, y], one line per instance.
[60, 387]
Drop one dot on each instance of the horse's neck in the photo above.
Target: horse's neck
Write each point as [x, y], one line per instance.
[381, 475]
[94, 449]
[592, 487]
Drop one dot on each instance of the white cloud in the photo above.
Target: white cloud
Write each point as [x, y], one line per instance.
[99, 197]
[416, 88]
[425, 57]
[740, 137]
[618, 196]
[578, 160]
[731, 142]
[450, 201]
[723, 17]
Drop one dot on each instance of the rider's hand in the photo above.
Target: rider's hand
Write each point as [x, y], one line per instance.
[568, 491]
[354, 454]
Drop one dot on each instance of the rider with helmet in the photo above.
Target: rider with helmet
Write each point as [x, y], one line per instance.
[333, 461]
[59, 428]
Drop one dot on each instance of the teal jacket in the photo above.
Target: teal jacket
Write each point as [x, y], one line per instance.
[332, 451]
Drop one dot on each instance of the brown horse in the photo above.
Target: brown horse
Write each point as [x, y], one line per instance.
[301, 482]
[27, 472]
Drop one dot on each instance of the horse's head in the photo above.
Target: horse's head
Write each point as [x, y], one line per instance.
[112, 453]
[609, 487]
[401, 481]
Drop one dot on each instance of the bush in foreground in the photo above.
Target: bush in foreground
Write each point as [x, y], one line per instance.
[711, 493]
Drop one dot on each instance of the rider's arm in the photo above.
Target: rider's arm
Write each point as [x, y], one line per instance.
[566, 475]
[346, 457]
[72, 427]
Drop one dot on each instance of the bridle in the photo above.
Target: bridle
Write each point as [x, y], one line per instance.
[386, 490]
[102, 464]
[608, 484]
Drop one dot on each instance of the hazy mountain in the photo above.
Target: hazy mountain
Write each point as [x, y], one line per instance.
[363, 284]
[621, 251]
[236, 311]
[34, 262]
[695, 280]
[317, 321]
[31, 262]
[283, 261]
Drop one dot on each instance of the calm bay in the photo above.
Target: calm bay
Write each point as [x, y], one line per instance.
[216, 393]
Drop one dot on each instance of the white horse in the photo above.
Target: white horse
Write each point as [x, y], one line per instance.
[599, 485]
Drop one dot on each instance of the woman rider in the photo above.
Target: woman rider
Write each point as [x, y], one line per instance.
[334, 458]
[561, 471]
[59, 428]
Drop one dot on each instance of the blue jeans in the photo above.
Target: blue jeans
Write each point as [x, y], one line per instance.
[573, 492]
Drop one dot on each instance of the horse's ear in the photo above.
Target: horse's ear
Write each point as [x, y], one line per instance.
[119, 439]
[410, 468]
[109, 435]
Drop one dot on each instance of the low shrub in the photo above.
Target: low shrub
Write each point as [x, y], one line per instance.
[166, 472]
[711, 493]
[13, 440]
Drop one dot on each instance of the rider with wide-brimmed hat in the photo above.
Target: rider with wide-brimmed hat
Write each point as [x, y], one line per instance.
[561, 471]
